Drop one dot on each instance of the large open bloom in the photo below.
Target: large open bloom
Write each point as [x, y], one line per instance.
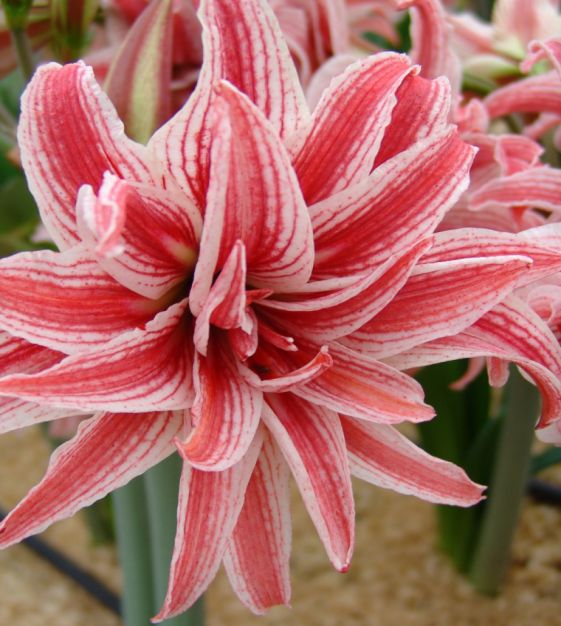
[215, 288]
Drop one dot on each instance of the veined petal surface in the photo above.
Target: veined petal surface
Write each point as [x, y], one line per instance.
[69, 134]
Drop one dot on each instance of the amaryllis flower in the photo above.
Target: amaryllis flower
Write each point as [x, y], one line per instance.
[211, 287]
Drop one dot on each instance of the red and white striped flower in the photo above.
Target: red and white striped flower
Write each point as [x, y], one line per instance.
[216, 291]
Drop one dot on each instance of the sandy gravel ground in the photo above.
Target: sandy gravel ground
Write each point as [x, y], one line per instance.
[396, 579]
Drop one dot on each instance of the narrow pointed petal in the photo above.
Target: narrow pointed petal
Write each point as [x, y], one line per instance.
[19, 356]
[108, 451]
[138, 370]
[59, 157]
[272, 362]
[65, 301]
[399, 203]
[258, 552]
[226, 304]
[422, 110]
[539, 50]
[382, 456]
[254, 57]
[139, 79]
[225, 413]
[265, 208]
[362, 387]
[348, 125]
[182, 145]
[16, 414]
[536, 94]
[430, 37]
[542, 244]
[255, 198]
[340, 313]
[439, 299]
[538, 187]
[152, 234]
[510, 331]
[207, 512]
[312, 442]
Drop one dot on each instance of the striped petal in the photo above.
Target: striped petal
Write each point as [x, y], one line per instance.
[69, 135]
[311, 440]
[208, 509]
[348, 125]
[510, 331]
[536, 94]
[138, 370]
[399, 203]
[258, 552]
[362, 387]
[146, 238]
[328, 317]
[422, 110]
[182, 145]
[262, 205]
[382, 456]
[542, 244]
[538, 187]
[254, 57]
[225, 413]
[107, 452]
[439, 299]
[65, 301]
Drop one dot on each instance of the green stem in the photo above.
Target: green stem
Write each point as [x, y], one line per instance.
[162, 489]
[510, 472]
[133, 537]
[23, 52]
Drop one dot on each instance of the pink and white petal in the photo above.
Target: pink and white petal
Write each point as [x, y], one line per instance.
[340, 313]
[538, 187]
[105, 215]
[257, 557]
[225, 413]
[157, 235]
[348, 125]
[401, 202]
[65, 301]
[430, 34]
[264, 206]
[60, 157]
[540, 50]
[208, 509]
[254, 57]
[108, 451]
[16, 414]
[312, 442]
[422, 111]
[216, 200]
[148, 369]
[536, 94]
[245, 344]
[380, 455]
[510, 331]
[525, 20]
[282, 375]
[542, 244]
[362, 387]
[439, 299]
[226, 304]
[325, 74]
[19, 356]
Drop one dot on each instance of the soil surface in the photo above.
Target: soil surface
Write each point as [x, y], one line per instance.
[397, 577]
